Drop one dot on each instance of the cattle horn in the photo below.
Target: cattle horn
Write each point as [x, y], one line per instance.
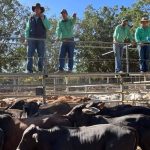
[101, 105]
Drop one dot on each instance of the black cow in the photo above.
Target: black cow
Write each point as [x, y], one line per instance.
[119, 110]
[8, 126]
[18, 105]
[1, 139]
[98, 137]
[100, 105]
[57, 108]
[31, 108]
[138, 121]
[13, 128]
[21, 107]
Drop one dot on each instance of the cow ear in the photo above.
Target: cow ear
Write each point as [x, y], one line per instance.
[35, 137]
[101, 105]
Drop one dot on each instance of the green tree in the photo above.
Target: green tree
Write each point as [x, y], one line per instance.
[12, 22]
[97, 25]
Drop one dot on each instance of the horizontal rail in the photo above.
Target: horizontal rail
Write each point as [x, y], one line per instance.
[20, 86]
[20, 96]
[76, 74]
[76, 40]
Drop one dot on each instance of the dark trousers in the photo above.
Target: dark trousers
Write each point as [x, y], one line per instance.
[144, 55]
[67, 48]
[39, 46]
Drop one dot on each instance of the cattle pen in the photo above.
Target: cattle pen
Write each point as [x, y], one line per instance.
[130, 87]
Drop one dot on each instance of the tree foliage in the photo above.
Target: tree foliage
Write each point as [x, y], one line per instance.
[12, 23]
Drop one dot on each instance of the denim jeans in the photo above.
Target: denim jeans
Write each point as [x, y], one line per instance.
[118, 52]
[144, 55]
[66, 48]
[40, 47]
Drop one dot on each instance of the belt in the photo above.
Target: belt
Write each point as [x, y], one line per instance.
[67, 39]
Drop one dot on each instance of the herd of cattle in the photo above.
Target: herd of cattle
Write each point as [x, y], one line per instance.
[86, 126]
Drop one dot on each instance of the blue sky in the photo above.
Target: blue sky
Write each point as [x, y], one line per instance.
[72, 6]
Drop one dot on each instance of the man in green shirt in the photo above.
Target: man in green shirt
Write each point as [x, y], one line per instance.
[64, 33]
[121, 35]
[142, 37]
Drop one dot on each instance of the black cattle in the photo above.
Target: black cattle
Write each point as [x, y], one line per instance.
[10, 133]
[98, 137]
[18, 105]
[1, 139]
[100, 105]
[57, 108]
[139, 122]
[31, 108]
[120, 110]
[21, 107]
[13, 128]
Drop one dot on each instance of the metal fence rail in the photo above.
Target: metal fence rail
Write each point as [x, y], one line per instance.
[33, 85]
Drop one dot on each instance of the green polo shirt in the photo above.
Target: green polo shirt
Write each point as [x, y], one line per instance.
[122, 33]
[142, 34]
[65, 28]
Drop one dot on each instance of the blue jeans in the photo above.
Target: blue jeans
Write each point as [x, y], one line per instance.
[118, 52]
[40, 47]
[66, 48]
[144, 53]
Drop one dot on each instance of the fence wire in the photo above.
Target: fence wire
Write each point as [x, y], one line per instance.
[12, 44]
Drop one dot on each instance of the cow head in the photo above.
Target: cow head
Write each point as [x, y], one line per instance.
[31, 108]
[93, 104]
[75, 113]
[29, 139]
[91, 110]
[18, 105]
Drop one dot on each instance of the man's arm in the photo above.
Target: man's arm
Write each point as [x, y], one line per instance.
[137, 37]
[46, 22]
[58, 30]
[115, 34]
[27, 29]
[74, 18]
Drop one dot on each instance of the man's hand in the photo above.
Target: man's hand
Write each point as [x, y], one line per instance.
[140, 44]
[133, 44]
[42, 16]
[114, 41]
[25, 43]
[74, 15]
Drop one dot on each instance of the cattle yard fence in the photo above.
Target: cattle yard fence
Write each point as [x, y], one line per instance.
[105, 86]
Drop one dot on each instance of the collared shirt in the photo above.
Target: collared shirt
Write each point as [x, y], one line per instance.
[122, 33]
[45, 21]
[142, 34]
[65, 28]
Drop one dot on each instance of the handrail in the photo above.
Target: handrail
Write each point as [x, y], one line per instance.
[76, 41]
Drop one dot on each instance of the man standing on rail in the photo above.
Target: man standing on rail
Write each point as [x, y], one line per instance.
[142, 37]
[121, 36]
[64, 33]
[36, 27]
